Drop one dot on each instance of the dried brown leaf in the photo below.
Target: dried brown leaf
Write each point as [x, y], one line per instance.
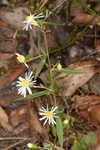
[6, 100]
[69, 83]
[20, 128]
[84, 102]
[17, 115]
[33, 120]
[9, 78]
[88, 107]
[82, 18]
[94, 115]
[4, 120]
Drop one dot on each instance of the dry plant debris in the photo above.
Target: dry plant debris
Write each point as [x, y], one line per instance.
[70, 83]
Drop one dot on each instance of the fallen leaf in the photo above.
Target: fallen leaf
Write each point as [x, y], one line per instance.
[84, 102]
[9, 78]
[88, 107]
[33, 120]
[94, 115]
[20, 128]
[69, 83]
[14, 19]
[83, 19]
[6, 100]
[17, 115]
[4, 120]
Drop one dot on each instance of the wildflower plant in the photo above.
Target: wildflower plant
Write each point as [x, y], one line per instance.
[26, 83]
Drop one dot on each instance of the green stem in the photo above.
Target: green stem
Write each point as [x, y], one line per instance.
[71, 42]
[47, 51]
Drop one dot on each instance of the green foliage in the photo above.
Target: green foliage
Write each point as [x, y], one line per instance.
[84, 141]
[76, 4]
[68, 122]
[7, 69]
[59, 127]
[40, 66]
[69, 71]
[36, 94]
[35, 147]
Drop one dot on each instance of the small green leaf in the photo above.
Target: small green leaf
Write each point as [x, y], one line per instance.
[69, 71]
[76, 4]
[36, 94]
[7, 69]
[54, 131]
[59, 127]
[40, 66]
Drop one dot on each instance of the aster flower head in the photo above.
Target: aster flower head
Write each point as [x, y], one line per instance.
[21, 59]
[25, 84]
[48, 115]
[31, 21]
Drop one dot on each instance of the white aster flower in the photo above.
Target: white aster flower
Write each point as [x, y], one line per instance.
[21, 59]
[24, 84]
[30, 21]
[48, 115]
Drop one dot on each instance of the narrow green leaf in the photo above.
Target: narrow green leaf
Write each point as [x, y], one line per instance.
[51, 23]
[70, 71]
[40, 66]
[37, 94]
[59, 127]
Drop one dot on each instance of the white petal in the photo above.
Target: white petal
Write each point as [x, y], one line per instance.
[20, 78]
[53, 121]
[42, 114]
[26, 27]
[39, 16]
[45, 121]
[17, 54]
[43, 109]
[49, 120]
[18, 85]
[30, 26]
[54, 108]
[47, 108]
[30, 74]
[29, 90]
[43, 118]
[22, 91]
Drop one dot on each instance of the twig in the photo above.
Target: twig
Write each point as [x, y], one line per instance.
[15, 144]
[13, 138]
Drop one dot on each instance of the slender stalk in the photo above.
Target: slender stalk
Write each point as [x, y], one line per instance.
[47, 51]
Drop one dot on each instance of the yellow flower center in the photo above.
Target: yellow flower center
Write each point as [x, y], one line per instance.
[49, 114]
[25, 82]
[29, 18]
[21, 59]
